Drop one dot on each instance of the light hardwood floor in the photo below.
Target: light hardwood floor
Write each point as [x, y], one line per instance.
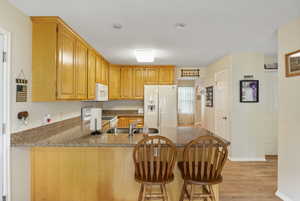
[250, 181]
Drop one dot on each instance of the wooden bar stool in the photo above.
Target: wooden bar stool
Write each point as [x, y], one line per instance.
[203, 161]
[154, 159]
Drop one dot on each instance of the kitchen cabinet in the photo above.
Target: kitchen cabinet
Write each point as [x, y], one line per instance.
[133, 78]
[151, 75]
[91, 75]
[138, 83]
[114, 86]
[126, 82]
[66, 82]
[105, 72]
[81, 60]
[62, 68]
[125, 121]
[166, 75]
[98, 69]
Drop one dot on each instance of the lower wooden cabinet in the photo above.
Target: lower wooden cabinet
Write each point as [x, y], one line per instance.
[125, 121]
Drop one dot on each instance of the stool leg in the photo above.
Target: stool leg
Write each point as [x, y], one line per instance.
[213, 198]
[192, 192]
[162, 192]
[183, 191]
[141, 193]
[165, 192]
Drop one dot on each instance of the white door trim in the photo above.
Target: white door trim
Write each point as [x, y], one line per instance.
[215, 116]
[6, 84]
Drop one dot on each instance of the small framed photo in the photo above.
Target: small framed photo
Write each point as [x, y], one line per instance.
[292, 64]
[249, 91]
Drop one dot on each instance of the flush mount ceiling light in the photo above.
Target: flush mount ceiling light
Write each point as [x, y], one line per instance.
[180, 25]
[144, 55]
[117, 26]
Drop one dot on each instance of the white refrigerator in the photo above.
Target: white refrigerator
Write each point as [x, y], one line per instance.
[160, 106]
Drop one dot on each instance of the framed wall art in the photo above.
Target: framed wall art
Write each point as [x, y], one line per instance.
[209, 96]
[249, 91]
[292, 64]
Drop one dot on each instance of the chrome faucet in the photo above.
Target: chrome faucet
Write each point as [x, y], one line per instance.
[132, 127]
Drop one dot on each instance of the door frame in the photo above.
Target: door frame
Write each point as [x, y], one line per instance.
[228, 108]
[6, 84]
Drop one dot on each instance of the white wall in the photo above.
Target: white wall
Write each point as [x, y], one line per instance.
[14, 21]
[251, 126]
[248, 119]
[289, 112]
[208, 113]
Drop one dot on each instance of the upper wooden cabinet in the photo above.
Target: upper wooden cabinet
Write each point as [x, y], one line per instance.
[151, 75]
[138, 82]
[92, 75]
[104, 72]
[81, 60]
[61, 66]
[126, 82]
[66, 71]
[166, 75]
[98, 69]
[114, 86]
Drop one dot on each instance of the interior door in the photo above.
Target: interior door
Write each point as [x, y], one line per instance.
[167, 106]
[1, 116]
[221, 105]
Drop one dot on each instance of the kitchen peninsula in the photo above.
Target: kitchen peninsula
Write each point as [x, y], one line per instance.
[69, 164]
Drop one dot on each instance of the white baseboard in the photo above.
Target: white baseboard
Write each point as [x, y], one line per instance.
[283, 196]
[246, 159]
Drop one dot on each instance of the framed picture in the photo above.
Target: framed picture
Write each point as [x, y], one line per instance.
[292, 64]
[209, 96]
[249, 91]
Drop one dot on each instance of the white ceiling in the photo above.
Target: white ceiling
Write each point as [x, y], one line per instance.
[214, 27]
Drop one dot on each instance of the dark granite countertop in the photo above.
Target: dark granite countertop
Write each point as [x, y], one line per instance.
[78, 136]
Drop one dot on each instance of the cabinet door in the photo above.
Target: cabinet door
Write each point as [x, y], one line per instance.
[92, 75]
[151, 75]
[166, 75]
[138, 83]
[126, 82]
[66, 67]
[104, 72]
[81, 70]
[99, 69]
[114, 85]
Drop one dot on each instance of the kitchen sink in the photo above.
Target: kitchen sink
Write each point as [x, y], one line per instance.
[135, 131]
[108, 117]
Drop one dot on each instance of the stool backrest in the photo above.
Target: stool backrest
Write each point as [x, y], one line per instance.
[154, 158]
[204, 158]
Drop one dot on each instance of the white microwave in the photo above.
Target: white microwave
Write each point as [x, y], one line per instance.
[101, 92]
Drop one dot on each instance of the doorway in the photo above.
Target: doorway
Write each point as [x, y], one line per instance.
[4, 113]
[222, 104]
[186, 106]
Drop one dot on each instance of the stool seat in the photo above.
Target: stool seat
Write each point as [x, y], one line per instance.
[156, 176]
[191, 176]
